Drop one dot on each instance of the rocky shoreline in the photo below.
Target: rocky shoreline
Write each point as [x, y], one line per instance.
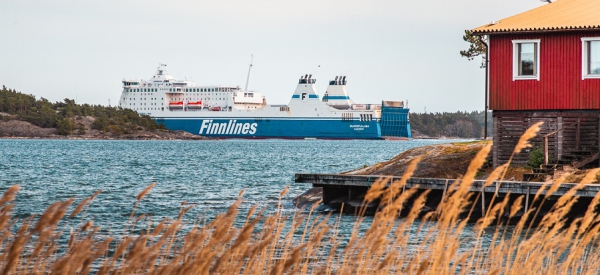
[448, 160]
[17, 129]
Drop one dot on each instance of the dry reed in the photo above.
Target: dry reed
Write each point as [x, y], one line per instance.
[422, 242]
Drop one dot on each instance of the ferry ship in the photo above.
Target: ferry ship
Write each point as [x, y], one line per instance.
[233, 112]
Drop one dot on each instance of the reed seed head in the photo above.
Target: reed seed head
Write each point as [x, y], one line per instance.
[145, 192]
[529, 134]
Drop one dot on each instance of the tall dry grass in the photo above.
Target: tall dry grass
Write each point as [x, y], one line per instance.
[271, 244]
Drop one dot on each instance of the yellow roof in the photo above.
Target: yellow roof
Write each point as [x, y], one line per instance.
[559, 15]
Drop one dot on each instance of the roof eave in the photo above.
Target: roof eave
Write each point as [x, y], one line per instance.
[491, 32]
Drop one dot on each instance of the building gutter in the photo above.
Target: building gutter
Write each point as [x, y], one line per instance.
[487, 62]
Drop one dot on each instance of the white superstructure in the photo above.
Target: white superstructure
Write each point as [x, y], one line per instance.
[163, 93]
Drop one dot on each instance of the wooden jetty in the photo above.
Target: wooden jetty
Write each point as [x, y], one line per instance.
[350, 189]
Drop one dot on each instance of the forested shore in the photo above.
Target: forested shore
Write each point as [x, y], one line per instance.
[447, 124]
[24, 115]
[64, 115]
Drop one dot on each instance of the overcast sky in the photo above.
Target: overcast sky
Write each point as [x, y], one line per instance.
[388, 49]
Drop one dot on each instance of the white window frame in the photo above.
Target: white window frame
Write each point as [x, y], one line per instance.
[585, 58]
[515, 62]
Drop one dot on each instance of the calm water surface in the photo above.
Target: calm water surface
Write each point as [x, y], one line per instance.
[208, 173]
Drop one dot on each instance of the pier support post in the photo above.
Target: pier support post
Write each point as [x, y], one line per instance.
[482, 203]
[444, 192]
[527, 199]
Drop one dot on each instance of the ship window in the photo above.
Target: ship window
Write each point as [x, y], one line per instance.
[526, 59]
[591, 57]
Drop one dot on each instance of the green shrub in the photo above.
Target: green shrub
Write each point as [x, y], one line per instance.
[64, 127]
[536, 157]
[80, 129]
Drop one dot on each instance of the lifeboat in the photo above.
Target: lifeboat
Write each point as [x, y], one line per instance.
[194, 104]
[215, 108]
[176, 104]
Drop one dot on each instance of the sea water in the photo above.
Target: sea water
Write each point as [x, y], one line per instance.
[210, 174]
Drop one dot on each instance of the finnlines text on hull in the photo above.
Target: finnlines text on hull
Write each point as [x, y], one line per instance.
[227, 128]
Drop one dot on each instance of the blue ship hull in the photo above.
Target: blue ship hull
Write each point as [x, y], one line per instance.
[290, 128]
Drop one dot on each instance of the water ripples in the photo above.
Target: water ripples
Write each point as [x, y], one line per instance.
[208, 173]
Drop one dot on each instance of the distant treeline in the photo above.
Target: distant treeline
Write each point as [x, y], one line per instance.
[458, 124]
[64, 115]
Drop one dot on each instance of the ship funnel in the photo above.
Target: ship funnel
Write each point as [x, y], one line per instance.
[336, 95]
[306, 93]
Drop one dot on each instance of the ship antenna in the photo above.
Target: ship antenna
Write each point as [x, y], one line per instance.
[249, 70]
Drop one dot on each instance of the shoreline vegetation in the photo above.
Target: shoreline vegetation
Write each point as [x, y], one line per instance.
[307, 242]
[24, 116]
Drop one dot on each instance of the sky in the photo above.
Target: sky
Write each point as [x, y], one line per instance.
[387, 49]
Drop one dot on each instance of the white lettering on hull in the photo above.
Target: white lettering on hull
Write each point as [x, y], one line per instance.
[359, 127]
[232, 127]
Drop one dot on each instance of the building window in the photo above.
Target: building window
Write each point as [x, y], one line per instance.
[526, 59]
[591, 57]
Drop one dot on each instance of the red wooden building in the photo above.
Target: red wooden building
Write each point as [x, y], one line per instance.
[544, 65]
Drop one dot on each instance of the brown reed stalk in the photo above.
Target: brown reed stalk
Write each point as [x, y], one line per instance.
[10, 194]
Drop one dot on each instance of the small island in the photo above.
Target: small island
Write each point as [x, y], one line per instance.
[24, 116]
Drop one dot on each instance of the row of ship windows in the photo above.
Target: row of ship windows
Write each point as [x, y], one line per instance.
[145, 98]
[146, 109]
[221, 94]
[133, 104]
[195, 90]
[187, 98]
